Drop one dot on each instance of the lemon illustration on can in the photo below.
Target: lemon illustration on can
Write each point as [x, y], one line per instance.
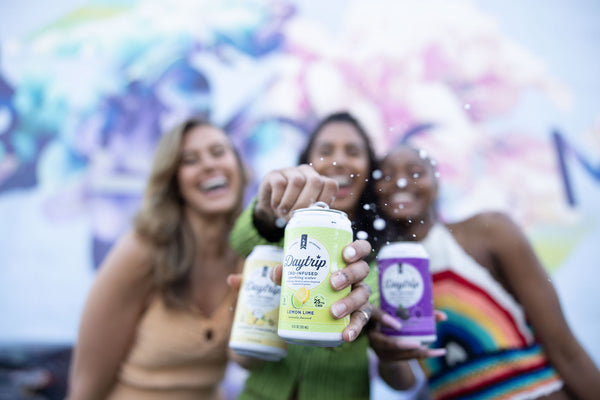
[300, 297]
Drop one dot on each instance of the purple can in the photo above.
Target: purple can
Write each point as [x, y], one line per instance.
[405, 286]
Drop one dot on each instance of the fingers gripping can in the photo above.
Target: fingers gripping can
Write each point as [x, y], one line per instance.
[406, 290]
[254, 331]
[313, 243]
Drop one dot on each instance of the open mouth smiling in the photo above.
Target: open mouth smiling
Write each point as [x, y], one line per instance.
[213, 184]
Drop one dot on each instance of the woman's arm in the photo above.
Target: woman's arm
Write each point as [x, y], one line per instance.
[245, 234]
[111, 313]
[397, 374]
[527, 279]
[279, 194]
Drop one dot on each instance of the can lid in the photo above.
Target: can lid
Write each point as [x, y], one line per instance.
[320, 206]
[268, 248]
[403, 249]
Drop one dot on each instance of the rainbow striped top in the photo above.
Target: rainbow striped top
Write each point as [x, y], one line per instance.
[491, 352]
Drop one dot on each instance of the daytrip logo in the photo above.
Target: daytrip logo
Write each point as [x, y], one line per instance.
[306, 263]
[259, 291]
[402, 285]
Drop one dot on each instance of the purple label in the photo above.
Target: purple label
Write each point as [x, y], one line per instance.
[406, 293]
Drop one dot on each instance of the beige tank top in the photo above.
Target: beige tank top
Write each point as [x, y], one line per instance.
[177, 354]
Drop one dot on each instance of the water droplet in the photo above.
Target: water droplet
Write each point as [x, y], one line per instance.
[362, 235]
[422, 222]
[321, 158]
[334, 163]
[400, 205]
[280, 222]
[379, 224]
[401, 183]
[416, 175]
[423, 154]
[366, 206]
[467, 106]
[351, 175]
[387, 242]
[410, 221]
[437, 174]
[377, 174]
[414, 235]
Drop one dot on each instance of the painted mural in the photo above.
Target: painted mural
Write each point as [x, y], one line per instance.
[84, 99]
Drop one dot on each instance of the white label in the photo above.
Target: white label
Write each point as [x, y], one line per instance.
[306, 263]
[402, 285]
[259, 293]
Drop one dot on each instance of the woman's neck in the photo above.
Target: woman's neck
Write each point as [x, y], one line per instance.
[211, 233]
[214, 259]
[412, 229]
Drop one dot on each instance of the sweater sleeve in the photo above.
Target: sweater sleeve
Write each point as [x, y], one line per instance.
[244, 235]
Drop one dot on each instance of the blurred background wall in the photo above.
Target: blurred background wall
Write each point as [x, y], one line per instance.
[505, 95]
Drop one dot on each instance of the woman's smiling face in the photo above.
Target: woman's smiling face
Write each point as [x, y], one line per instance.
[339, 152]
[209, 174]
[408, 187]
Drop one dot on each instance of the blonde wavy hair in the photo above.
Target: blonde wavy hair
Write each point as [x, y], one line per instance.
[160, 220]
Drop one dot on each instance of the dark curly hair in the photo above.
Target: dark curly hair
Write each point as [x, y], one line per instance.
[365, 212]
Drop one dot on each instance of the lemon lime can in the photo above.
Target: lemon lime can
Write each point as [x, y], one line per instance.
[406, 290]
[313, 243]
[254, 331]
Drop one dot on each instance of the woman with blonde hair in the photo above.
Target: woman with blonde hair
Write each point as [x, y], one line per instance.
[157, 320]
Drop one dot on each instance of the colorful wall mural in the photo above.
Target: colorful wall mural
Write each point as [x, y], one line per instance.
[505, 100]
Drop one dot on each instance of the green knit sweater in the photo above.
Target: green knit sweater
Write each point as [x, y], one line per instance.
[318, 373]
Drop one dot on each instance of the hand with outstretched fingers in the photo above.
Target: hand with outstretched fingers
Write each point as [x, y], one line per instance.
[356, 303]
[390, 348]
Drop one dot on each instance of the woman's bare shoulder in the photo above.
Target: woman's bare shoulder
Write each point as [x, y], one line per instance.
[130, 256]
[484, 223]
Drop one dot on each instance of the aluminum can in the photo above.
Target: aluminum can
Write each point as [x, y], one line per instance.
[406, 290]
[254, 330]
[313, 243]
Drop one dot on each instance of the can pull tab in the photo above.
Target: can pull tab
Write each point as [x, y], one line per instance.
[319, 204]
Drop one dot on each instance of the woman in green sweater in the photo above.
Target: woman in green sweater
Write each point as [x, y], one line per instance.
[336, 168]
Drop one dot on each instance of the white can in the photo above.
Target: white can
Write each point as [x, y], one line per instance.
[254, 331]
[313, 244]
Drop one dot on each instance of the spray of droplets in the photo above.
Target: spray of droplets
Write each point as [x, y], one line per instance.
[424, 155]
